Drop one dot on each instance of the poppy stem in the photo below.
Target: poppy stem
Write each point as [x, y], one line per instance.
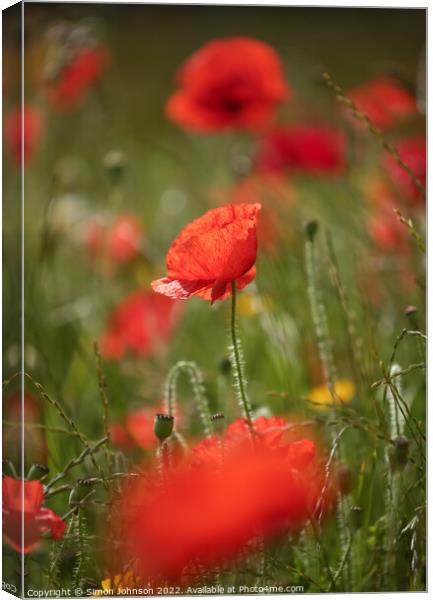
[240, 382]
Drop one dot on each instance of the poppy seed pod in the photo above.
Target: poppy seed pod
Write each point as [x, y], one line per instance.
[310, 229]
[218, 422]
[8, 468]
[81, 489]
[163, 426]
[356, 515]
[37, 471]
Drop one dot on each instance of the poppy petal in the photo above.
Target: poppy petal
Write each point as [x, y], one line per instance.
[180, 289]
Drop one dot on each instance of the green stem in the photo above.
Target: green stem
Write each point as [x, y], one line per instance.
[239, 376]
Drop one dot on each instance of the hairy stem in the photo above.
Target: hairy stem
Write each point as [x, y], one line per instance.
[240, 384]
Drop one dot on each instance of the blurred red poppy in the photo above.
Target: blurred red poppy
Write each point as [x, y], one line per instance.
[413, 153]
[13, 134]
[315, 149]
[114, 244]
[120, 437]
[77, 77]
[15, 409]
[203, 514]
[123, 238]
[93, 236]
[272, 432]
[211, 252]
[384, 226]
[24, 507]
[384, 101]
[387, 231]
[139, 424]
[141, 323]
[137, 431]
[232, 83]
[275, 194]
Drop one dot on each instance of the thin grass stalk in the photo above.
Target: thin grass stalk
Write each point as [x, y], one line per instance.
[354, 343]
[67, 419]
[320, 321]
[393, 489]
[102, 384]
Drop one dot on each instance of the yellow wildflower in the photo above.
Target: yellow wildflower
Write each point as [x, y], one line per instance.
[119, 584]
[321, 397]
[250, 304]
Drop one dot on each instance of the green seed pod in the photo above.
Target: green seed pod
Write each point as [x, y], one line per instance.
[81, 489]
[163, 426]
[356, 516]
[310, 229]
[218, 422]
[37, 471]
[8, 468]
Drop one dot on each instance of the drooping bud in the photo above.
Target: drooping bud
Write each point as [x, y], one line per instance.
[310, 229]
[411, 313]
[163, 426]
[399, 452]
[345, 479]
[356, 514]
[115, 163]
[410, 310]
[225, 366]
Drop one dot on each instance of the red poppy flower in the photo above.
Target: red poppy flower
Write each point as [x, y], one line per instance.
[211, 252]
[316, 149]
[14, 138]
[141, 324]
[233, 83]
[413, 153]
[78, 77]
[207, 515]
[384, 101]
[37, 519]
